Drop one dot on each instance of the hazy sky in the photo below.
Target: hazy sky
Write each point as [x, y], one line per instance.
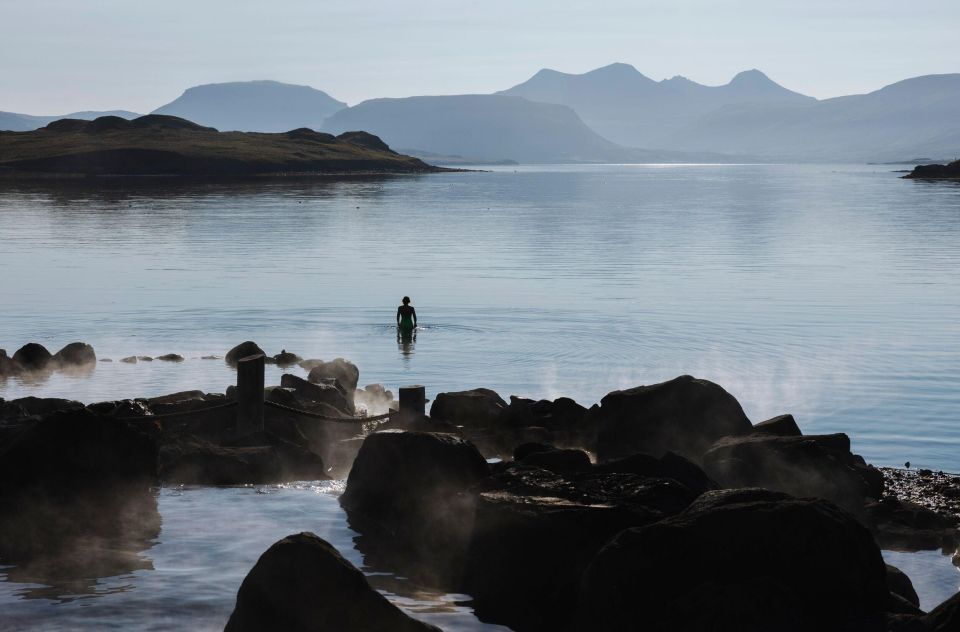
[58, 56]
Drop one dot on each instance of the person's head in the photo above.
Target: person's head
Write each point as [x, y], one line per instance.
[406, 300]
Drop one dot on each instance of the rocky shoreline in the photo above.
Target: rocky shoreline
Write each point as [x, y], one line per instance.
[661, 508]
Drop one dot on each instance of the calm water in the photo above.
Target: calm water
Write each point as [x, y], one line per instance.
[831, 292]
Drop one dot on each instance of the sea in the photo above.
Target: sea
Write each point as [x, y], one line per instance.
[831, 292]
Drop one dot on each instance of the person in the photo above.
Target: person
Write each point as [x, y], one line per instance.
[406, 317]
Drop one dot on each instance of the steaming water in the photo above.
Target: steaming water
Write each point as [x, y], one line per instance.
[831, 292]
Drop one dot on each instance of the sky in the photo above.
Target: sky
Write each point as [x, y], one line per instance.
[59, 56]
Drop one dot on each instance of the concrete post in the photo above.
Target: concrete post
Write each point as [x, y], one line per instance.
[250, 382]
[413, 401]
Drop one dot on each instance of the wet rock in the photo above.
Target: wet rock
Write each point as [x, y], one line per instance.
[170, 357]
[129, 359]
[144, 358]
[739, 560]
[813, 465]
[285, 358]
[557, 460]
[302, 584]
[476, 408]
[536, 531]
[525, 449]
[122, 408]
[406, 490]
[684, 415]
[900, 585]
[904, 525]
[31, 407]
[8, 367]
[670, 465]
[945, 617]
[76, 354]
[343, 371]
[501, 442]
[33, 357]
[210, 357]
[781, 426]
[174, 398]
[242, 350]
[309, 392]
[560, 415]
[106, 360]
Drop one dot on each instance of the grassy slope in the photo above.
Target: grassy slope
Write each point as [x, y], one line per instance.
[157, 145]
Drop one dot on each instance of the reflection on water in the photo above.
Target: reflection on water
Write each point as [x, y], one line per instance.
[406, 341]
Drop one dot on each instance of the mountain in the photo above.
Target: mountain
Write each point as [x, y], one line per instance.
[915, 117]
[254, 106]
[11, 121]
[620, 103]
[487, 128]
[167, 145]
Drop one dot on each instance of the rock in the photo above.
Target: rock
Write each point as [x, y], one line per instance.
[343, 371]
[318, 393]
[144, 358]
[8, 367]
[900, 584]
[76, 354]
[903, 525]
[242, 350]
[170, 357]
[33, 357]
[106, 360]
[374, 398]
[476, 408]
[121, 408]
[684, 415]
[406, 490]
[26, 407]
[670, 465]
[945, 617]
[526, 449]
[129, 359]
[560, 415]
[813, 465]
[781, 426]
[285, 358]
[210, 357]
[740, 560]
[501, 442]
[557, 460]
[302, 584]
[536, 531]
[175, 398]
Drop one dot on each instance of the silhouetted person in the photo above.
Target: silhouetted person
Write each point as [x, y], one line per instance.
[406, 317]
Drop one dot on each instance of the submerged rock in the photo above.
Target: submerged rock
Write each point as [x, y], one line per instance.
[739, 560]
[242, 350]
[303, 584]
[129, 359]
[170, 357]
[76, 354]
[685, 415]
[285, 358]
[33, 357]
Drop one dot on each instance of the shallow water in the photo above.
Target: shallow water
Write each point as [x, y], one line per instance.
[831, 292]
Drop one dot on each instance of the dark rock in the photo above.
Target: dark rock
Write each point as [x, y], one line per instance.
[122, 408]
[945, 617]
[477, 408]
[33, 407]
[106, 360]
[501, 442]
[537, 530]
[684, 415]
[903, 525]
[285, 358]
[7, 366]
[670, 465]
[949, 171]
[525, 449]
[900, 584]
[781, 426]
[241, 351]
[170, 357]
[813, 465]
[560, 415]
[407, 490]
[343, 371]
[175, 398]
[33, 357]
[302, 584]
[76, 354]
[144, 358]
[129, 359]
[320, 393]
[816, 567]
[558, 460]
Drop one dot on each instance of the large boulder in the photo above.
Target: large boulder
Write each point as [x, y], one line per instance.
[781, 425]
[303, 584]
[343, 371]
[321, 393]
[34, 407]
[537, 530]
[560, 415]
[813, 465]
[685, 415]
[476, 408]
[739, 560]
[33, 357]
[408, 490]
[669, 465]
[241, 351]
[75, 354]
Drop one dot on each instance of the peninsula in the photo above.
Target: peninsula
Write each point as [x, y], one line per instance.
[170, 146]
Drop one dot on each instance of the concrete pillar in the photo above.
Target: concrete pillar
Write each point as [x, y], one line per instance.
[413, 401]
[250, 382]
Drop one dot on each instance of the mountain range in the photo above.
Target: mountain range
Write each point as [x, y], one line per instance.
[604, 115]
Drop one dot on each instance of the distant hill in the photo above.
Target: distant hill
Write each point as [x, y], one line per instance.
[167, 145]
[487, 128]
[14, 122]
[915, 117]
[254, 106]
[620, 103]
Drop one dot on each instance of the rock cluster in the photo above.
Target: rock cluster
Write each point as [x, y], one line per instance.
[34, 358]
